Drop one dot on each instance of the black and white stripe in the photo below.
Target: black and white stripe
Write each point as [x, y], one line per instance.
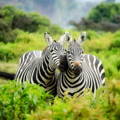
[39, 68]
[82, 71]
[28, 57]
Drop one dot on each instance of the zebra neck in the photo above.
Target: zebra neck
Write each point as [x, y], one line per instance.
[72, 76]
[47, 64]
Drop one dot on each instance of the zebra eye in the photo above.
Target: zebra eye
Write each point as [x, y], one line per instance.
[68, 51]
[82, 51]
[51, 50]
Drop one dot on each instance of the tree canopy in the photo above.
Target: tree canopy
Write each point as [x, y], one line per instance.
[105, 16]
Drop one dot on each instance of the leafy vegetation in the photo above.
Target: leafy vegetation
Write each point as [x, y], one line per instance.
[18, 101]
[105, 11]
[105, 16]
[33, 103]
[12, 18]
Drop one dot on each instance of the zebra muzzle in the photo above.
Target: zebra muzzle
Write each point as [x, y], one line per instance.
[77, 70]
[77, 63]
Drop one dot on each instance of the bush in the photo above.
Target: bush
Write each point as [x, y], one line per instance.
[55, 29]
[6, 54]
[115, 44]
[31, 102]
[6, 33]
[104, 12]
[103, 17]
[104, 107]
[12, 18]
[19, 100]
[24, 42]
[29, 22]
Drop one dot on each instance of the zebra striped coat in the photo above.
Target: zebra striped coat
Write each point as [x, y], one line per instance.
[39, 68]
[81, 71]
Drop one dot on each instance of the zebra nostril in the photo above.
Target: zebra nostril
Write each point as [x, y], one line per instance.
[77, 63]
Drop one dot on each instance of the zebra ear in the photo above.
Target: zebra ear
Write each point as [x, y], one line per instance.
[66, 37]
[48, 38]
[82, 37]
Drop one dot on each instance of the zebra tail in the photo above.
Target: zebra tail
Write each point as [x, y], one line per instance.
[6, 75]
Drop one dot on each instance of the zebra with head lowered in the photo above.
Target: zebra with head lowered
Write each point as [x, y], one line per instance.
[81, 71]
[39, 67]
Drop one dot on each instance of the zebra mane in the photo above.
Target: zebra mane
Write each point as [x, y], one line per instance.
[44, 50]
[63, 63]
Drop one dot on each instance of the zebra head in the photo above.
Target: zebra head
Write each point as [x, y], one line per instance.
[75, 57]
[55, 50]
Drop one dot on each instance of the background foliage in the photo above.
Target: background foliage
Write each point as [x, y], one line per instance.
[105, 16]
[21, 32]
[31, 102]
[12, 18]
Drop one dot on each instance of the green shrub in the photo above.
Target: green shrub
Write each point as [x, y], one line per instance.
[19, 100]
[31, 102]
[104, 16]
[104, 107]
[30, 22]
[24, 42]
[7, 13]
[6, 33]
[12, 18]
[55, 29]
[5, 54]
[115, 44]
[104, 12]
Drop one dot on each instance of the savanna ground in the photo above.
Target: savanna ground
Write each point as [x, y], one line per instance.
[32, 102]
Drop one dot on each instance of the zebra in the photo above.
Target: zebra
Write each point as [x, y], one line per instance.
[39, 67]
[81, 71]
[27, 57]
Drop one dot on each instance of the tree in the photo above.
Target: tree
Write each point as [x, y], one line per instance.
[105, 16]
